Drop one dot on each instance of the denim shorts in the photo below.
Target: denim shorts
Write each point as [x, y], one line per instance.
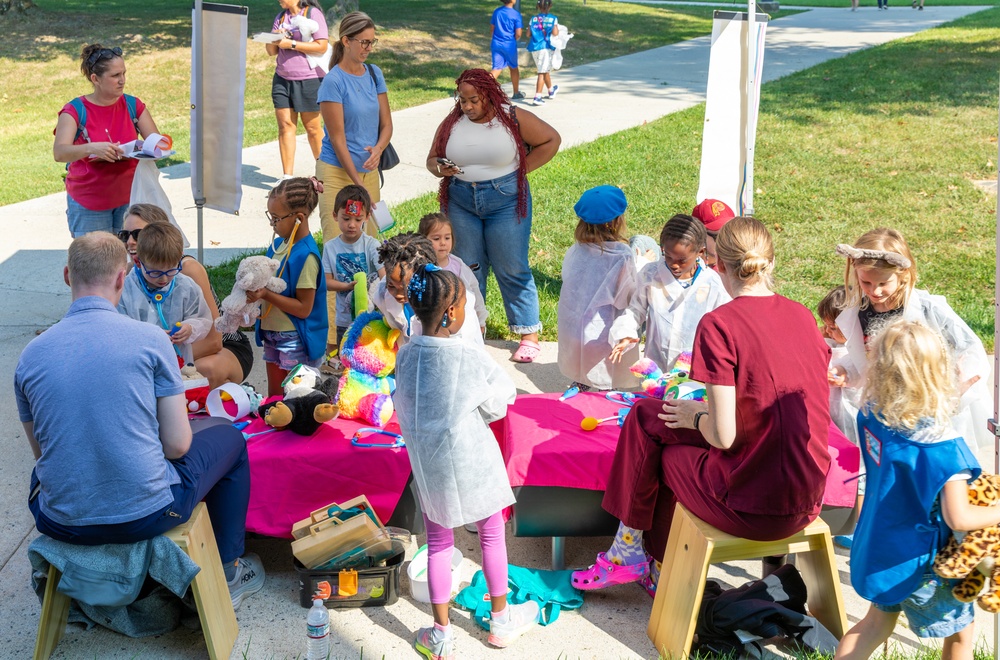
[84, 221]
[285, 349]
[932, 610]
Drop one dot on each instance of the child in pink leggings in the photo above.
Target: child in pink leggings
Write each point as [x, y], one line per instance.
[447, 392]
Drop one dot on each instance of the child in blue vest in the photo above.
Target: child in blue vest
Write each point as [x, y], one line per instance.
[542, 27]
[293, 324]
[505, 30]
[918, 471]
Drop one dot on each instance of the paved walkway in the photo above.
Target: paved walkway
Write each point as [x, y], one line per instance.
[595, 99]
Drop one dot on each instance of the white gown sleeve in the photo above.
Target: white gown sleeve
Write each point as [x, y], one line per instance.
[627, 325]
[472, 289]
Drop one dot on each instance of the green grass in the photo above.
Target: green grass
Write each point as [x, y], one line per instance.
[423, 46]
[843, 4]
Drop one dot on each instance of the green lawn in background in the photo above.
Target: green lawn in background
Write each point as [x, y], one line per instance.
[423, 46]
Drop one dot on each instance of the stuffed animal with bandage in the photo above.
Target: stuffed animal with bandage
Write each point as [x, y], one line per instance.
[368, 353]
[308, 402]
[253, 273]
[676, 384]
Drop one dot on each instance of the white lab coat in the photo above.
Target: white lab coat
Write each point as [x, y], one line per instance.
[447, 393]
[967, 352]
[670, 312]
[598, 283]
[380, 298]
[185, 304]
[459, 267]
[843, 400]
[559, 43]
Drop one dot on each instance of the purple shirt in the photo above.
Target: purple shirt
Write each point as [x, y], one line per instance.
[292, 64]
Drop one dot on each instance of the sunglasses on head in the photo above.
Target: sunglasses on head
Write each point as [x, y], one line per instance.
[103, 54]
[125, 234]
[160, 273]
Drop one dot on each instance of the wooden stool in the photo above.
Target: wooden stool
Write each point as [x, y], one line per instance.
[694, 544]
[211, 593]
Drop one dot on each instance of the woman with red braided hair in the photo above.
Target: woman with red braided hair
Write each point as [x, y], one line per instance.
[482, 152]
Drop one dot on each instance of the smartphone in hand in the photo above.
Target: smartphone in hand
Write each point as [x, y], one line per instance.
[447, 163]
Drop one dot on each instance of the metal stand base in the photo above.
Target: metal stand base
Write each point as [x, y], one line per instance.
[558, 553]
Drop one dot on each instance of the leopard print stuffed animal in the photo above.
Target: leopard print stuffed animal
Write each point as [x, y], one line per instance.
[972, 559]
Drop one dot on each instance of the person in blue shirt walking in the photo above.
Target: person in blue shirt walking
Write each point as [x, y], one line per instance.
[541, 28]
[505, 30]
[918, 471]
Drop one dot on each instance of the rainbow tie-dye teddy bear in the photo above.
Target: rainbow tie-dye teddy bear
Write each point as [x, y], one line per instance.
[673, 385]
[368, 353]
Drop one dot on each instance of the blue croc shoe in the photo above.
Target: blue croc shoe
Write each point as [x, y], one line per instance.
[845, 541]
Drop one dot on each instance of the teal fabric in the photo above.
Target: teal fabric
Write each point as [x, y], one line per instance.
[552, 590]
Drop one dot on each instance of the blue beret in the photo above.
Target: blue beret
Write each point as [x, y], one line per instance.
[601, 205]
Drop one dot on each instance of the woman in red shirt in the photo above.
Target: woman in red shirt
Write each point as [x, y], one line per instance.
[98, 178]
[752, 460]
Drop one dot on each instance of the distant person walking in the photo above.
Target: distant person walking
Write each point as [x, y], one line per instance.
[297, 76]
[543, 26]
[88, 135]
[505, 31]
[354, 102]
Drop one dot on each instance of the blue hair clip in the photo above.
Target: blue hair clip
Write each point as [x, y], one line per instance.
[432, 268]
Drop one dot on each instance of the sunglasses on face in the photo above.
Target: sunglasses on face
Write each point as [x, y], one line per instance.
[160, 273]
[103, 54]
[365, 43]
[125, 234]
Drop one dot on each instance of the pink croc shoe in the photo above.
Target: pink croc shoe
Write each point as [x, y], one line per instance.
[604, 573]
[526, 351]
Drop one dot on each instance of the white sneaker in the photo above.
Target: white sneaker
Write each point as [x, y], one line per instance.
[520, 619]
[538, 101]
[249, 579]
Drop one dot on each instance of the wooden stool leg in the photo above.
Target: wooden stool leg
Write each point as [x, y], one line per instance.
[55, 614]
[681, 587]
[819, 571]
[211, 593]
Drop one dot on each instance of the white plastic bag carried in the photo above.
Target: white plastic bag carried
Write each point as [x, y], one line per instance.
[559, 42]
[146, 189]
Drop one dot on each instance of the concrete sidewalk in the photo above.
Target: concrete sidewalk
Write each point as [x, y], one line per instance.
[594, 100]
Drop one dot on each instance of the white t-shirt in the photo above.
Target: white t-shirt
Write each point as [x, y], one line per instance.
[485, 151]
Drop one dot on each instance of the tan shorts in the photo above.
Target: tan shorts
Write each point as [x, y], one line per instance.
[543, 59]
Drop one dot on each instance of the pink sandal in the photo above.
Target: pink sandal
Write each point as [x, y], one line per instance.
[527, 351]
[604, 573]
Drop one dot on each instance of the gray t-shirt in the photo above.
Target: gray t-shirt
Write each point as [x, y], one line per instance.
[343, 260]
[90, 384]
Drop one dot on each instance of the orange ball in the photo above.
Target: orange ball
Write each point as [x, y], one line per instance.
[589, 423]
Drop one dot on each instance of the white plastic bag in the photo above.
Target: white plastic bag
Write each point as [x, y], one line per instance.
[146, 189]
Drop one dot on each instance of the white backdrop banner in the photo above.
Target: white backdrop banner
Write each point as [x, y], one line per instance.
[731, 111]
[218, 78]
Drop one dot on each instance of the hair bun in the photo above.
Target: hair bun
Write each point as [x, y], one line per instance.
[753, 264]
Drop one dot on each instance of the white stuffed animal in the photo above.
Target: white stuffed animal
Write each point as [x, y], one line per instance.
[253, 273]
[307, 27]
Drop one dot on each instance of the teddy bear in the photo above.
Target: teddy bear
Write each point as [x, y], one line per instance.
[253, 273]
[195, 388]
[673, 385]
[368, 353]
[308, 402]
[974, 557]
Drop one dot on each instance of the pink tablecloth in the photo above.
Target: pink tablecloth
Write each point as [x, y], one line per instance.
[543, 445]
[292, 475]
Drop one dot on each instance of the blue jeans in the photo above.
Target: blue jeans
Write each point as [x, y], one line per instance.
[489, 233]
[84, 221]
[216, 469]
[932, 610]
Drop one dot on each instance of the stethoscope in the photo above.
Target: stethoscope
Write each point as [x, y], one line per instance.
[156, 298]
[367, 432]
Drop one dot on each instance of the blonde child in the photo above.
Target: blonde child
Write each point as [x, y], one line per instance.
[881, 279]
[671, 296]
[157, 292]
[436, 227]
[447, 393]
[352, 251]
[918, 472]
[293, 325]
[401, 255]
[599, 280]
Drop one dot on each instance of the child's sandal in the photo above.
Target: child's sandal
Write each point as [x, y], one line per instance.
[605, 573]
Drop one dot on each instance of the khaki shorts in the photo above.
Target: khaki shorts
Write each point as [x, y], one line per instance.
[543, 59]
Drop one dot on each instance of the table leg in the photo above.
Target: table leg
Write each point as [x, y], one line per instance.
[558, 553]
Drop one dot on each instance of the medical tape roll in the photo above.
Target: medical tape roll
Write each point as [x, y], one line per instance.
[216, 406]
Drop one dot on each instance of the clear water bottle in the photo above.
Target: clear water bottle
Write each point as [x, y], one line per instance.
[318, 630]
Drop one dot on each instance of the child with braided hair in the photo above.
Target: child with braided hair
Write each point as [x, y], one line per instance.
[401, 255]
[293, 326]
[460, 475]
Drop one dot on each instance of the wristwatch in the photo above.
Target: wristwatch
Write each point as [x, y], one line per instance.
[294, 44]
[697, 419]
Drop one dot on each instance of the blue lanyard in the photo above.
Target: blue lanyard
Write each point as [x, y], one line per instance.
[697, 271]
[156, 298]
[408, 313]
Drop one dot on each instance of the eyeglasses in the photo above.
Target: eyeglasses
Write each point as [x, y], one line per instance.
[365, 43]
[103, 54]
[125, 234]
[160, 273]
[274, 219]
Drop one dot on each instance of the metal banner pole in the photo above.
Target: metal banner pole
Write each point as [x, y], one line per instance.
[198, 135]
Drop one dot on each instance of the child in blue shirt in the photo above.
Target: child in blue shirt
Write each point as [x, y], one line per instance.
[918, 470]
[505, 30]
[292, 326]
[542, 27]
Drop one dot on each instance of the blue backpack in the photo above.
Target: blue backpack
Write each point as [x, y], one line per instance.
[81, 113]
